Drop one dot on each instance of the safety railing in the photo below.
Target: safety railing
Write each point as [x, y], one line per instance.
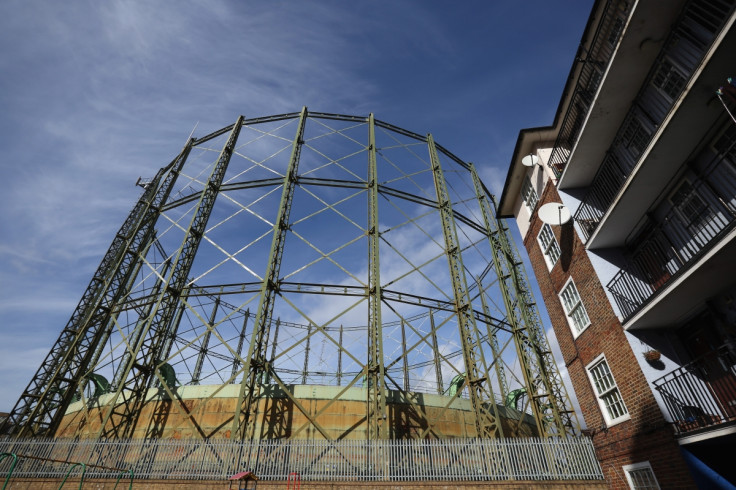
[701, 394]
[670, 245]
[396, 460]
[681, 55]
[62, 464]
[594, 64]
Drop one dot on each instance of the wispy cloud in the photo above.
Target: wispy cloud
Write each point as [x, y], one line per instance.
[96, 94]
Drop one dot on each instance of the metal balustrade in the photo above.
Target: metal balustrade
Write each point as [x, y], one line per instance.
[669, 246]
[596, 60]
[392, 460]
[702, 393]
[681, 55]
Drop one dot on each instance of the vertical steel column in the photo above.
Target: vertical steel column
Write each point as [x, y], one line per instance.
[405, 364]
[436, 351]
[241, 339]
[547, 393]
[135, 335]
[375, 374]
[42, 404]
[166, 351]
[110, 327]
[244, 421]
[275, 342]
[306, 354]
[493, 341]
[477, 381]
[121, 416]
[339, 360]
[205, 344]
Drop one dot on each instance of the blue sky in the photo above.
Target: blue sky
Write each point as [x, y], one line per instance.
[95, 94]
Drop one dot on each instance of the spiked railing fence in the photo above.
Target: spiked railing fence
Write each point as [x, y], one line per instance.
[407, 460]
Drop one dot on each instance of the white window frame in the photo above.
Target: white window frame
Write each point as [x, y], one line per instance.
[600, 396]
[548, 247]
[527, 191]
[569, 314]
[639, 466]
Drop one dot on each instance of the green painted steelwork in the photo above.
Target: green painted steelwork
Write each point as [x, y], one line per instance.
[81, 478]
[43, 403]
[456, 385]
[476, 369]
[375, 366]
[547, 393]
[392, 262]
[512, 399]
[12, 466]
[120, 476]
[138, 372]
[256, 362]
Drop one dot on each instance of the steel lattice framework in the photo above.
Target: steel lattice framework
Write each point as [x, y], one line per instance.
[305, 249]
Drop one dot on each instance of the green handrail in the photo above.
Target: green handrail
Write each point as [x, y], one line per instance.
[81, 481]
[120, 475]
[12, 466]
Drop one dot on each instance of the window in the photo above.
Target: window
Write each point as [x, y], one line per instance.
[550, 248]
[529, 195]
[574, 309]
[640, 475]
[636, 137]
[669, 80]
[690, 206]
[606, 390]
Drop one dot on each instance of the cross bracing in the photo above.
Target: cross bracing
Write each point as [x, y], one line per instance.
[304, 249]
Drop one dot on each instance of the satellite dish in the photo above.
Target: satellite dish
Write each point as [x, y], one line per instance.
[554, 213]
[530, 160]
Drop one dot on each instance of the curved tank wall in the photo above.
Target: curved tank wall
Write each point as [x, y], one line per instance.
[197, 413]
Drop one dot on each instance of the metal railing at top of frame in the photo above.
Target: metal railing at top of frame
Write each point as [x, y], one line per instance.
[672, 244]
[345, 460]
[675, 65]
[702, 393]
[594, 64]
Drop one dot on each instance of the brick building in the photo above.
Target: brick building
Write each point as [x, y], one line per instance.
[640, 281]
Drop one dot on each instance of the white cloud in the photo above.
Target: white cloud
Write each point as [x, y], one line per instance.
[96, 94]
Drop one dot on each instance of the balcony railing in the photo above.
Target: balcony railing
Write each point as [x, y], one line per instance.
[702, 393]
[682, 53]
[596, 61]
[667, 247]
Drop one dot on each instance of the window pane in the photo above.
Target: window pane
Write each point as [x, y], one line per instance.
[528, 194]
[643, 478]
[607, 391]
[548, 242]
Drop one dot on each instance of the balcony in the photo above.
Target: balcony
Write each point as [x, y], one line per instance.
[596, 60]
[701, 394]
[670, 75]
[701, 212]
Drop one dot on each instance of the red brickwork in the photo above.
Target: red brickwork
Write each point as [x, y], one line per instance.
[646, 436]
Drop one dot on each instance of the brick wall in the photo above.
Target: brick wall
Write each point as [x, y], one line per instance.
[646, 436]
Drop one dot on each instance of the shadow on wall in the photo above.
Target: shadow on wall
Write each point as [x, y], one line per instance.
[567, 245]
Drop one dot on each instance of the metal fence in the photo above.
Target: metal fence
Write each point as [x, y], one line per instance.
[701, 393]
[594, 64]
[398, 460]
[667, 79]
[672, 243]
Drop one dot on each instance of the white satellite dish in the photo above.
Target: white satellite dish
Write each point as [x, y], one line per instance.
[530, 160]
[554, 213]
